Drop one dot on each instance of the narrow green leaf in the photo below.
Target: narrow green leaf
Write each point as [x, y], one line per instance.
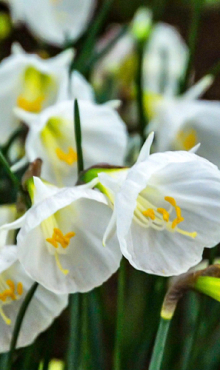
[18, 324]
[92, 34]
[78, 135]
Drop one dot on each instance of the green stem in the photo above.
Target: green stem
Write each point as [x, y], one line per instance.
[12, 138]
[18, 324]
[85, 360]
[78, 135]
[117, 365]
[74, 334]
[140, 93]
[91, 38]
[193, 36]
[6, 166]
[159, 346]
[192, 340]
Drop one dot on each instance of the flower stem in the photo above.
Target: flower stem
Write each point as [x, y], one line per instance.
[159, 346]
[78, 135]
[140, 93]
[117, 365]
[18, 324]
[6, 166]
[91, 38]
[74, 334]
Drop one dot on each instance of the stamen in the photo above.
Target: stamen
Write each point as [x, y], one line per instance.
[34, 106]
[188, 138]
[149, 213]
[179, 217]
[165, 214]
[69, 157]
[20, 288]
[5, 318]
[65, 272]
[58, 237]
[171, 200]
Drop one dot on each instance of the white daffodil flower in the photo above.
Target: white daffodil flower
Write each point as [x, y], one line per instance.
[166, 209]
[180, 125]
[54, 21]
[65, 229]
[165, 61]
[32, 84]
[45, 306]
[51, 137]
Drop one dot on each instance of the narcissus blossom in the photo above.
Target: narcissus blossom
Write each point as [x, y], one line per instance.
[51, 137]
[60, 242]
[54, 21]
[166, 210]
[14, 285]
[182, 124]
[32, 84]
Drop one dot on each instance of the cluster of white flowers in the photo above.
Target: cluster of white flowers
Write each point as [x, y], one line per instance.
[159, 214]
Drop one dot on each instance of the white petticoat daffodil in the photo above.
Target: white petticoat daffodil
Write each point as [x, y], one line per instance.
[60, 242]
[167, 209]
[30, 83]
[51, 137]
[54, 21]
[45, 306]
[180, 125]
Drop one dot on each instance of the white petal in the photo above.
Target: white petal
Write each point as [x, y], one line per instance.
[43, 308]
[88, 262]
[145, 150]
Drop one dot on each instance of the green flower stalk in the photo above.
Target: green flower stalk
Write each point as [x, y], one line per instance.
[205, 281]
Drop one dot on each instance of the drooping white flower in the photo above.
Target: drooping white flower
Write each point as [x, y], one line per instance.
[166, 209]
[180, 125]
[60, 242]
[14, 284]
[54, 21]
[165, 61]
[32, 84]
[51, 137]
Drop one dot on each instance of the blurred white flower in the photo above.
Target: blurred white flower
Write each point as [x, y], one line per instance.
[51, 137]
[14, 284]
[32, 84]
[65, 228]
[181, 124]
[166, 209]
[54, 21]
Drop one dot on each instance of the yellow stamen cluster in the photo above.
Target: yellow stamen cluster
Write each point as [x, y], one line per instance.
[187, 138]
[154, 215]
[33, 106]
[69, 157]
[8, 295]
[59, 238]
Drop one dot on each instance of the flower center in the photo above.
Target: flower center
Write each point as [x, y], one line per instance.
[69, 157]
[57, 242]
[35, 90]
[148, 215]
[187, 139]
[9, 292]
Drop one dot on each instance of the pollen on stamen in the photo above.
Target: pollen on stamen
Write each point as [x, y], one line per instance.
[69, 158]
[20, 288]
[149, 213]
[171, 200]
[164, 213]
